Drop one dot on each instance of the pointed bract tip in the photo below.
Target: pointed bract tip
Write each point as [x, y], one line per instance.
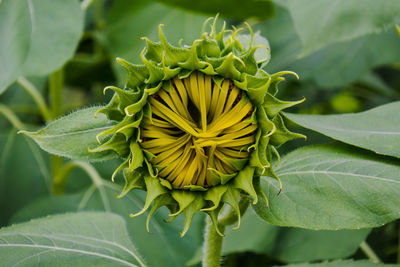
[148, 225]
[203, 27]
[239, 221]
[98, 138]
[24, 132]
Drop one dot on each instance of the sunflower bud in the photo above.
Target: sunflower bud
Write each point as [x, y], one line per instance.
[197, 125]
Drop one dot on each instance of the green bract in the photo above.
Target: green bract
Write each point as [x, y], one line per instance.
[218, 60]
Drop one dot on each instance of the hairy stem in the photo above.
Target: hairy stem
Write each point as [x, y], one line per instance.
[369, 252]
[36, 96]
[212, 246]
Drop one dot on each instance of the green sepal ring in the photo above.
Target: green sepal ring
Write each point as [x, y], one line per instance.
[197, 125]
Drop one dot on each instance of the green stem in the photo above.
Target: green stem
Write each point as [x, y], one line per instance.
[98, 9]
[369, 252]
[36, 96]
[212, 246]
[56, 84]
[11, 117]
[62, 176]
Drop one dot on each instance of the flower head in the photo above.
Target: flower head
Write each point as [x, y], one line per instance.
[197, 125]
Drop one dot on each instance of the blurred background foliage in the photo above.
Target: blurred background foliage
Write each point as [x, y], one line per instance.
[346, 52]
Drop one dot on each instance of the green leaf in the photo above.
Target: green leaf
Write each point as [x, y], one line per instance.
[24, 173]
[339, 64]
[84, 239]
[331, 187]
[321, 23]
[377, 129]
[126, 22]
[334, 65]
[57, 26]
[171, 250]
[38, 37]
[301, 245]
[72, 135]
[14, 41]
[232, 9]
[343, 263]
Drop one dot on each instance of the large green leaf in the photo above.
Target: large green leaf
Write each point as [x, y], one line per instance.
[24, 173]
[127, 21]
[288, 244]
[334, 65]
[344, 263]
[14, 41]
[236, 9]
[324, 22]
[72, 135]
[301, 245]
[171, 250]
[333, 187]
[57, 26]
[343, 63]
[377, 129]
[82, 239]
[38, 37]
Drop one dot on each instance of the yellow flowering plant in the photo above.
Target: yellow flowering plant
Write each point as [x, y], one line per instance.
[197, 125]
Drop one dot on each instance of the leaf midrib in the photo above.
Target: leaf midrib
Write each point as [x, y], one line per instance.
[70, 250]
[70, 133]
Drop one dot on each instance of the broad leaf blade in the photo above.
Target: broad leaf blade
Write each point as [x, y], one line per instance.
[332, 66]
[377, 129]
[15, 33]
[84, 239]
[333, 187]
[171, 250]
[37, 37]
[320, 23]
[301, 245]
[57, 26]
[71, 136]
[236, 9]
[21, 185]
